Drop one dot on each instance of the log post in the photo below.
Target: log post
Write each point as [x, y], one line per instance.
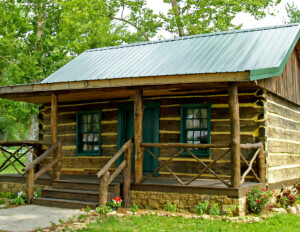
[127, 177]
[29, 189]
[138, 132]
[261, 165]
[103, 190]
[233, 102]
[54, 135]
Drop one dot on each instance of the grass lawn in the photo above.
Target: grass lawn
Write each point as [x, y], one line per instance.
[281, 222]
[11, 169]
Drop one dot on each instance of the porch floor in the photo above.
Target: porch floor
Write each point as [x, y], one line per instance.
[155, 184]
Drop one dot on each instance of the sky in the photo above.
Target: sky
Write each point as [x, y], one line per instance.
[247, 20]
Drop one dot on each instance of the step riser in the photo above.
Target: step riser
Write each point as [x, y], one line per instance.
[74, 196]
[62, 204]
[84, 186]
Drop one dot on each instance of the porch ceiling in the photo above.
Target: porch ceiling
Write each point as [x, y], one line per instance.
[122, 88]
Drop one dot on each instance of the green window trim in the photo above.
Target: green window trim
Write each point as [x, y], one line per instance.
[197, 117]
[88, 137]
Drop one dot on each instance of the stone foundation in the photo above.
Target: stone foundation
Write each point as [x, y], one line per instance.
[185, 201]
[17, 187]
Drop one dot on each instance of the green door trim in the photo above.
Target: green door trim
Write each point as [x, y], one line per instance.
[120, 127]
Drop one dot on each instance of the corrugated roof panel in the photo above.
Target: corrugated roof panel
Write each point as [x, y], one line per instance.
[261, 51]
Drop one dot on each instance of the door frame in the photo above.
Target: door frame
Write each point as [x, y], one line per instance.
[120, 126]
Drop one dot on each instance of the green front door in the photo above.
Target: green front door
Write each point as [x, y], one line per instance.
[150, 132]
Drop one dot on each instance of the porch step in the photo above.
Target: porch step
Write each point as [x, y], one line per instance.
[71, 194]
[75, 194]
[64, 203]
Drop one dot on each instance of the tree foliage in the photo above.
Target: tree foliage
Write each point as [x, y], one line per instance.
[293, 13]
[39, 36]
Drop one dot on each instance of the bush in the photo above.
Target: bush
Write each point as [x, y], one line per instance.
[201, 208]
[287, 197]
[214, 210]
[170, 208]
[134, 208]
[103, 209]
[258, 199]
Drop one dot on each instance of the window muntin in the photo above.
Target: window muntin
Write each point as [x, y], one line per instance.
[88, 133]
[195, 126]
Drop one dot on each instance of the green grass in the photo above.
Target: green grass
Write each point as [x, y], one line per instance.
[11, 169]
[282, 223]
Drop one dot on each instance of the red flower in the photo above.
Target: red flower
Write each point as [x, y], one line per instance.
[258, 201]
[267, 207]
[264, 190]
[263, 196]
[273, 191]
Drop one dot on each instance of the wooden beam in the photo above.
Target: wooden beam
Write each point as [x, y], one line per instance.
[120, 82]
[233, 102]
[29, 189]
[127, 176]
[103, 190]
[138, 134]
[261, 165]
[54, 134]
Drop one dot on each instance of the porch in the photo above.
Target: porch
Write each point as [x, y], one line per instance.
[235, 186]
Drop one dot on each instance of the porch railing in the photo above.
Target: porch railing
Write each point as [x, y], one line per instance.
[22, 148]
[31, 176]
[106, 178]
[259, 156]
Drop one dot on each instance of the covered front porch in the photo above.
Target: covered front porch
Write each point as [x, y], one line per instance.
[165, 177]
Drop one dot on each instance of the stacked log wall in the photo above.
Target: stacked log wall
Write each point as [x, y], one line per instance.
[251, 119]
[282, 139]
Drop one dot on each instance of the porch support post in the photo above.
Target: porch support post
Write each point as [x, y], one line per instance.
[233, 102]
[54, 136]
[138, 132]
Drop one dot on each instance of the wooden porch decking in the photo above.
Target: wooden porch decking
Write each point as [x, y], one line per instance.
[154, 184]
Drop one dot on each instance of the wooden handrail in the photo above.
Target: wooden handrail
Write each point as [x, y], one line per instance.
[250, 165]
[20, 143]
[106, 178]
[29, 169]
[114, 158]
[44, 155]
[201, 146]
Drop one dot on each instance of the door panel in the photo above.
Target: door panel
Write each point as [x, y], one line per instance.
[150, 132]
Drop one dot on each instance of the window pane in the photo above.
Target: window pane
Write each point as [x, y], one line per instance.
[197, 135]
[196, 113]
[189, 135]
[196, 124]
[203, 113]
[204, 136]
[204, 123]
[189, 124]
[189, 113]
[189, 141]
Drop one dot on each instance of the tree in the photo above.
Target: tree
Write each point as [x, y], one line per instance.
[293, 13]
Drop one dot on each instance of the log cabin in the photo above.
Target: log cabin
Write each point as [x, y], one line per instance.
[180, 120]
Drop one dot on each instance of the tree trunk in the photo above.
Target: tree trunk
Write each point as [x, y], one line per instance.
[33, 132]
[177, 18]
[4, 135]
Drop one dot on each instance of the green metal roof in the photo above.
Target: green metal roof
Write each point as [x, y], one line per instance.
[262, 51]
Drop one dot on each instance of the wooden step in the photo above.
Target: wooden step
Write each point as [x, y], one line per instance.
[74, 194]
[86, 186]
[64, 203]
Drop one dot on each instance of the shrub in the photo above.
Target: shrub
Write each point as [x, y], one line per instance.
[258, 199]
[103, 209]
[115, 203]
[134, 208]
[287, 197]
[201, 208]
[214, 210]
[20, 199]
[170, 207]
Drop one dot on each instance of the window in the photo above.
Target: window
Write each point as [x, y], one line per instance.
[88, 133]
[195, 126]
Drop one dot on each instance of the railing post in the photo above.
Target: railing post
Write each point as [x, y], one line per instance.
[29, 189]
[233, 102]
[103, 190]
[54, 134]
[138, 132]
[261, 165]
[127, 176]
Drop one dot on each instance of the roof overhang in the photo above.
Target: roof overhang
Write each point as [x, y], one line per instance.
[114, 88]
